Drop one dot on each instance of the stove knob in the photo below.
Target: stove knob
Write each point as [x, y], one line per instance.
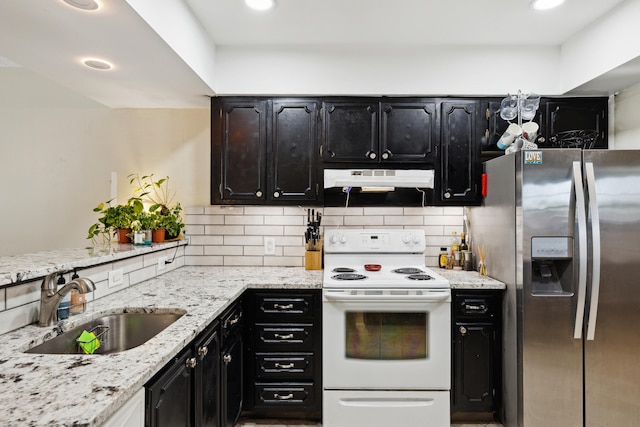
[416, 239]
[343, 239]
[333, 239]
[406, 238]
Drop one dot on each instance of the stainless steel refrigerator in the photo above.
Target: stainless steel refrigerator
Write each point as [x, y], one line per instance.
[562, 229]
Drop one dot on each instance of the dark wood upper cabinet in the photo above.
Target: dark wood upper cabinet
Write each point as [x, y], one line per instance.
[408, 131]
[294, 147]
[460, 170]
[380, 131]
[576, 123]
[239, 149]
[350, 131]
[264, 150]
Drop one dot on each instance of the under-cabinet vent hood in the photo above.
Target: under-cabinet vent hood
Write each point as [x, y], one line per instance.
[378, 179]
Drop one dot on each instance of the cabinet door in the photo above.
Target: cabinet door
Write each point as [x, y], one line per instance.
[408, 132]
[232, 382]
[350, 131]
[294, 146]
[460, 153]
[207, 379]
[473, 368]
[169, 398]
[576, 123]
[239, 150]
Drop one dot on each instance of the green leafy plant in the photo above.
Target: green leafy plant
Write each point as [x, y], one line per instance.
[112, 218]
[143, 221]
[159, 197]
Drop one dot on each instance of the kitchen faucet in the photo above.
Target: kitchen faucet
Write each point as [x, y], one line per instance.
[50, 297]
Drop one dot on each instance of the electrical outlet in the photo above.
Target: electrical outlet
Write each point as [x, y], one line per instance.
[269, 245]
[115, 278]
[162, 263]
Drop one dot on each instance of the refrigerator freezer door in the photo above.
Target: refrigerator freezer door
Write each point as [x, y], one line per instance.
[550, 358]
[612, 371]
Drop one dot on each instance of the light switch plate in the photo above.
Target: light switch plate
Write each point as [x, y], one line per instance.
[115, 278]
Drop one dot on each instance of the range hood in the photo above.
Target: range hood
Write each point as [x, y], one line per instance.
[378, 179]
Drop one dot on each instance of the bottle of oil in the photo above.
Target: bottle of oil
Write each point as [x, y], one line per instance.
[463, 242]
[442, 262]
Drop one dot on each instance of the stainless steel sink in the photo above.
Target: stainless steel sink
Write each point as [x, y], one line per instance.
[116, 332]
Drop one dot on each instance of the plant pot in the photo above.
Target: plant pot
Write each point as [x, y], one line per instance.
[123, 235]
[157, 236]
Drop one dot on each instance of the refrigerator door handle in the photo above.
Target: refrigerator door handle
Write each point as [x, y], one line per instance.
[595, 243]
[582, 249]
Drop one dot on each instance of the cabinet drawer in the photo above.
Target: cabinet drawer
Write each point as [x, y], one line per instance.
[284, 337]
[285, 366]
[290, 395]
[284, 307]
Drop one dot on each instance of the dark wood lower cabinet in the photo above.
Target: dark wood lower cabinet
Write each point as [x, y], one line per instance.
[283, 354]
[476, 362]
[232, 368]
[186, 391]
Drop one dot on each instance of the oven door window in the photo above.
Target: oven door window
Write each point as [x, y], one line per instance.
[386, 336]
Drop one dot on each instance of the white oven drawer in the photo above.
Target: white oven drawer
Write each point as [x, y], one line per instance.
[349, 408]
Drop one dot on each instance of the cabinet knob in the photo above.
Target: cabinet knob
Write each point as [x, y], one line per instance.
[226, 358]
[386, 155]
[541, 139]
[258, 193]
[202, 351]
[447, 195]
[191, 362]
[462, 330]
[276, 194]
[235, 319]
[372, 155]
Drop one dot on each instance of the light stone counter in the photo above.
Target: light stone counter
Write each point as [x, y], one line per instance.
[469, 280]
[20, 268]
[84, 390]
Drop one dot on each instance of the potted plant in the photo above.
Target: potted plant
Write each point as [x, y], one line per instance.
[158, 230]
[159, 197]
[142, 224]
[114, 220]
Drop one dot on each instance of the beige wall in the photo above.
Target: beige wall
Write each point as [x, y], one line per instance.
[58, 150]
[627, 119]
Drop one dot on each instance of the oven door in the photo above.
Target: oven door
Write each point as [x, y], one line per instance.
[390, 339]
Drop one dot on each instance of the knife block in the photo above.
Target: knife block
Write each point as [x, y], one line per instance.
[313, 256]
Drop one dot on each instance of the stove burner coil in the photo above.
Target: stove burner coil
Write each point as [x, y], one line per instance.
[349, 276]
[419, 277]
[407, 270]
[343, 270]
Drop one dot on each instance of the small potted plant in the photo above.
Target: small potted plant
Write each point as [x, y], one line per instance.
[141, 225]
[114, 220]
[158, 230]
[159, 197]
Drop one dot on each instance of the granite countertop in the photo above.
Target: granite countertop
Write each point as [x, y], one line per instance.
[48, 390]
[20, 268]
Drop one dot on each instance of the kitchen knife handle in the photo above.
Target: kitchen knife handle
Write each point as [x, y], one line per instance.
[595, 248]
[578, 190]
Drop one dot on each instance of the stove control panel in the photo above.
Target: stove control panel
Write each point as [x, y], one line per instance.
[383, 241]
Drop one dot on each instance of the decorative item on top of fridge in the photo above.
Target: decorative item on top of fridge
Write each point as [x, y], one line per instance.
[523, 133]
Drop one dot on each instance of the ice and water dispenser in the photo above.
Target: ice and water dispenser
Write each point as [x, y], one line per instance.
[552, 266]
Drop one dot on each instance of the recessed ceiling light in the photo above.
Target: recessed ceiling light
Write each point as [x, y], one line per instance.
[84, 4]
[546, 4]
[260, 4]
[97, 64]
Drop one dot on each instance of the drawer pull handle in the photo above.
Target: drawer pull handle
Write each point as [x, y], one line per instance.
[227, 358]
[284, 337]
[281, 366]
[283, 306]
[283, 397]
[191, 362]
[233, 320]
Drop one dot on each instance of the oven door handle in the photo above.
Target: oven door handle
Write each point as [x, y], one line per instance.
[387, 402]
[434, 296]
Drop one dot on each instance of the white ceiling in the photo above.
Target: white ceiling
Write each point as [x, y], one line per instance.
[49, 38]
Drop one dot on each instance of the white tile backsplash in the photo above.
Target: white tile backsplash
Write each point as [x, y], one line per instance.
[233, 235]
